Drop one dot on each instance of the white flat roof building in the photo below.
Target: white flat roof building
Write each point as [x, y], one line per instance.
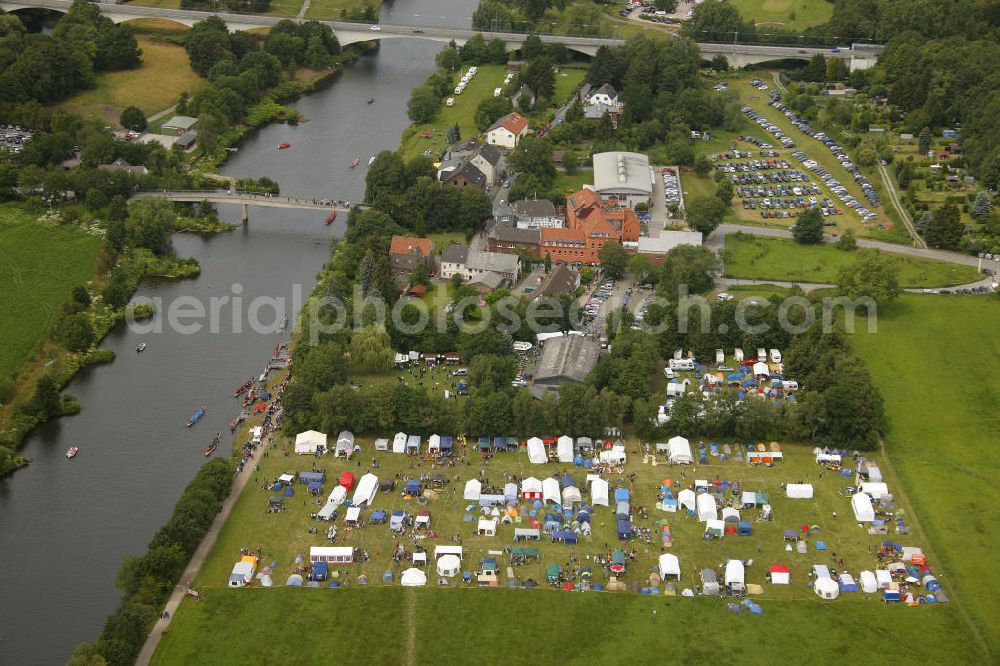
[625, 176]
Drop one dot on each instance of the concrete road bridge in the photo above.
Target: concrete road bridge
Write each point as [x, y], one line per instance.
[858, 56]
[246, 199]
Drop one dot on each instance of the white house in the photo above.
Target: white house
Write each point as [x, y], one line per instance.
[310, 442]
[507, 131]
[606, 95]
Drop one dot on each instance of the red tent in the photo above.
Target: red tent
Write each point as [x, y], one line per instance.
[347, 480]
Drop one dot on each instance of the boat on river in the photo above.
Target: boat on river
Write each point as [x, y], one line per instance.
[243, 388]
[196, 417]
[210, 449]
[284, 323]
[331, 217]
[371, 100]
[354, 163]
[371, 160]
[141, 347]
[72, 452]
[282, 146]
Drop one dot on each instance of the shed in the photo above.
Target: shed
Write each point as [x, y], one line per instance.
[799, 490]
[707, 508]
[679, 451]
[531, 488]
[310, 442]
[864, 512]
[564, 449]
[365, 492]
[473, 489]
[780, 574]
[381, 444]
[599, 492]
[536, 451]
[670, 566]
[399, 443]
[345, 444]
[550, 491]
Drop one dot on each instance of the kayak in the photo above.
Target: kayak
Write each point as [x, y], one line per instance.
[282, 146]
[196, 417]
[72, 452]
[331, 217]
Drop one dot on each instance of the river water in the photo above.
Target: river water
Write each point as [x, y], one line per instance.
[65, 525]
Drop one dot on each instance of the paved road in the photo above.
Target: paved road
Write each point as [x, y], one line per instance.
[222, 196]
[900, 208]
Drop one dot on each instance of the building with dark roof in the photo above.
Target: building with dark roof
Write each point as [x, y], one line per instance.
[406, 253]
[568, 358]
[507, 239]
[562, 280]
[537, 214]
[465, 175]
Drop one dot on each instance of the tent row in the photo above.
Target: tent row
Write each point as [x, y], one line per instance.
[314, 443]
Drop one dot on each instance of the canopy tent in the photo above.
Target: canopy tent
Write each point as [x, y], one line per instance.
[536, 451]
[446, 444]
[345, 444]
[310, 442]
[846, 583]
[730, 515]
[615, 456]
[550, 491]
[735, 573]
[332, 554]
[473, 489]
[624, 530]
[599, 492]
[868, 583]
[799, 490]
[434, 444]
[875, 489]
[510, 492]
[449, 566]
[353, 515]
[750, 498]
[326, 513]
[441, 551]
[564, 449]
[412, 487]
[679, 451]
[531, 488]
[487, 527]
[864, 512]
[761, 370]
[346, 480]
[571, 495]
[413, 444]
[423, 518]
[780, 574]
[686, 499]
[670, 566]
[337, 496]
[381, 444]
[367, 487]
[309, 478]
[707, 508]
[826, 588]
[399, 443]
[413, 578]
[584, 444]
[828, 458]
[715, 528]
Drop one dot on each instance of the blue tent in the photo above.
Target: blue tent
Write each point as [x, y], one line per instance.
[276, 488]
[624, 530]
[334, 584]
[820, 545]
[567, 481]
[583, 517]
[484, 443]
[565, 536]
[315, 485]
[500, 443]
[621, 494]
[320, 570]
[552, 526]
[312, 477]
[289, 492]
[446, 444]
[378, 516]
[744, 528]
[412, 487]
[597, 587]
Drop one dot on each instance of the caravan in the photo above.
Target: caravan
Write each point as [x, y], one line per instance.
[680, 364]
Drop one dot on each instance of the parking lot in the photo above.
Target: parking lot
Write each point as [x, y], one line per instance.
[13, 137]
[609, 295]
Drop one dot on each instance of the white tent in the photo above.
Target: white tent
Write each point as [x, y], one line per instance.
[827, 457]
[680, 451]
[413, 444]
[761, 370]
[345, 444]
[599, 492]
[730, 515]
[399, 443]
[381, 445]
[868, 583]
[441, 551]
[326, 513]
[413, 578]
[909, 551]
[615, 456]
[707, 509]
[536, 451]
[309, 442]
[531, 488]
[449, 565]
[780, 575]
[242, 574]
[434, 444]
[715, 526]
[353, 514]
[571, 495]
[877, 490]
[799, 490]
[564, 449]
[826, 588]
[550, 490]
[487, 527]
[420, 558]
[365, 492]
[734, 573]
[883, 577]
[337, 496]
[864, 512]
[670, 566]
[686, 499]
[473, 489]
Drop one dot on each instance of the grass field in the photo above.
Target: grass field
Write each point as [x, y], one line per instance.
[332, 9]
[33, 290]
[572, 182]
[162, 4]
[164, 74]
[785, 14]
[943, 423]
[786, 260]
[394, 625]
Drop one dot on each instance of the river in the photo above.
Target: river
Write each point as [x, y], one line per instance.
[65, 525]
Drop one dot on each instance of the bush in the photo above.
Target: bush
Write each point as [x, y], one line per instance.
[75, 332]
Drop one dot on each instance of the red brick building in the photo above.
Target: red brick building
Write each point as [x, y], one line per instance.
[590, 223]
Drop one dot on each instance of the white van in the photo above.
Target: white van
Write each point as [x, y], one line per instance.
[761, 355]
[775, 356]
[681, 364]
[790, 385]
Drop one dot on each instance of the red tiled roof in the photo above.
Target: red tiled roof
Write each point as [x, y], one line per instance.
[406, 244]
[515, 123]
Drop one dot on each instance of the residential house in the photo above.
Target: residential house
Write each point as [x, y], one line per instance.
[591, 221]
[507, 131]
[474, 265]
[465, 176]
[120, 165]
[562, 280]
[601, 102]
[509, 240]
[606, 95]
[453, 259]
[536, 214]
[524, 93]
[406, 253]
[504, 213]
[487, 159]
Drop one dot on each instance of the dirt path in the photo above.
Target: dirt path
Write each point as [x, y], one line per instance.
[928, 548]
[302, 12]
[410, 619]
[156, 116]
[890, 187]
[194, 566]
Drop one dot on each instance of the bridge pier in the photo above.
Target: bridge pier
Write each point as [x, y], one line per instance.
[246, 214]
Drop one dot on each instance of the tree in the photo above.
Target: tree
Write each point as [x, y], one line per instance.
[691, 265]
[371, 350]
[808, 229]
[640, 267]
[669, 6]
[323, 367]
[714, 20]
[539, 76]
[46, 400]
[569, 162]
[370, 224]
[209, 129]
[423, 105]
[847, 241]
[614, 257]
[548, 262]
[491, 109]
[496, 51]
[924, 141]
[533, 156]
[945, 228]
[724, 192]
[867, 155]
[705, 214]
[872, 275]
[75, 332]
[532, 48]
[150, 223]
[132, 118]
[719, 63]
[983, 206]
[448, 59]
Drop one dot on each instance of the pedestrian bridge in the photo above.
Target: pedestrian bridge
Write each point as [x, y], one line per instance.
[247, 199]
[858, 56]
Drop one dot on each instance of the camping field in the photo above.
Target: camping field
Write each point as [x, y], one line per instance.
[32, 292]
[943, 425]
[786, 260]
[416, 626]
